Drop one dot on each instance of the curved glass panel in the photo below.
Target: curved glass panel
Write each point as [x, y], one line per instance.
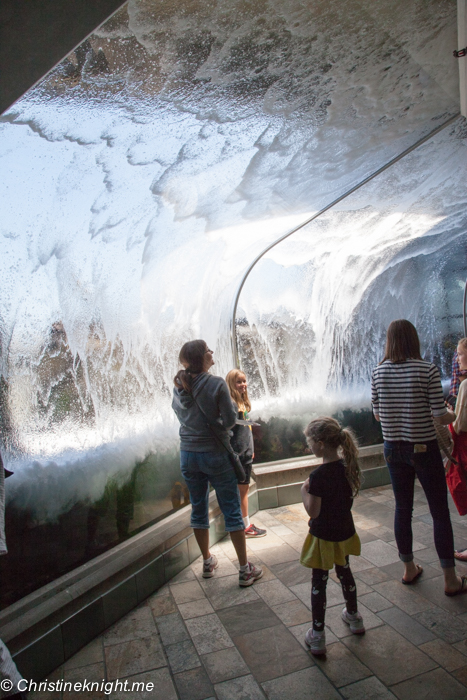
[139, 180]
[314, 311]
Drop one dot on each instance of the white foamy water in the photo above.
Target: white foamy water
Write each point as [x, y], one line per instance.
[141, 178]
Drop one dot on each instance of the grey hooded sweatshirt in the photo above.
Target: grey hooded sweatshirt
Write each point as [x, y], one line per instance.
[212, 394]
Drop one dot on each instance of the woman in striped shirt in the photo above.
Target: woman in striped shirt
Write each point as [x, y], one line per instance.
[407, 397]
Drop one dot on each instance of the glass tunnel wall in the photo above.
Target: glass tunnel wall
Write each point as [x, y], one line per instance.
[313, 313]
[140, 178]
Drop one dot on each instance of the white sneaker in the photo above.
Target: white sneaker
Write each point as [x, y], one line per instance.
[316, 641]
[354, 621]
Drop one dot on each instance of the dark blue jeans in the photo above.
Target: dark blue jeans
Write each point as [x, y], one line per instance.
[404, 464]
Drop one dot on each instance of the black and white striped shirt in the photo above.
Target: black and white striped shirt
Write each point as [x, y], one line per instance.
[406, 395]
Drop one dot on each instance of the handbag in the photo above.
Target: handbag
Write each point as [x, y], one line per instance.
[233, 456]
[456, 477]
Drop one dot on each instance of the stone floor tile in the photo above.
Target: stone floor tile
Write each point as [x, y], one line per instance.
[433, 685]
[195, 609]
[406, 625]
[335, 622]
[308, 684]
[92, 653]
[187, 592]
[383, 533]
[299, 632]
[133, 657]
[136, 624]
[461, 675]
[281, 530]
[291, 573]
[208, 634]
[277, 554]
[360, 563]
[299, 526]
[416, 546]
[295, 541]
[268, 574]
[444, 654]
[163, 687]
[162, 605]
[428, 555]
[292, 613]
[444, 625]
[405, 597]
[303, 592]
[182, 656]
[272, 652]
[368, 689]
[379, 553]
[194, 685]
[171, 629]
[433, 590]
[270, 542]
[391, 657]
[274, 593]
[396, 570]
[341, 666]
[365, 535]
[372, 576]
[364, 523]
[225, 664]
[246, 618]
[228, 549]
[93, 672]
[225, 592]
[374, 601]
[244, 688]
[185, 575]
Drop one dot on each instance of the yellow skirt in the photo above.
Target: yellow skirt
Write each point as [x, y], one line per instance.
[322, 554]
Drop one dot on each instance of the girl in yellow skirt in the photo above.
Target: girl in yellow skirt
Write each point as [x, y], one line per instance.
[328, 497]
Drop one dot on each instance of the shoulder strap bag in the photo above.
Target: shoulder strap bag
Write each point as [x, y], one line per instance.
[233, 456]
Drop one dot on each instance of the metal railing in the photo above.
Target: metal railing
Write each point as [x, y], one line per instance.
[233, 330]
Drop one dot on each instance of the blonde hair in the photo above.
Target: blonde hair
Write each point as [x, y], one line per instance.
[242, 400]
[463, 342]
[330, 433]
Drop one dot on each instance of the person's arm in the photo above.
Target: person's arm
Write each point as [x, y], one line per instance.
[312, 503]
[227, 409]
[460, 424]
[440, 413]
[374, 398]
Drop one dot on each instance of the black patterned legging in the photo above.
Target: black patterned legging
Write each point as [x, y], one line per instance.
[319, 581]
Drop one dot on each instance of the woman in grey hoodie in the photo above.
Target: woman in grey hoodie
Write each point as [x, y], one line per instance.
[204, 408]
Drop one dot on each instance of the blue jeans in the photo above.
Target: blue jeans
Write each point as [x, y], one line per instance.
[404, 464]
[199, 469]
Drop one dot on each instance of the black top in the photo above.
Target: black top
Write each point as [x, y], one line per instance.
[334, 522]
[242, 440]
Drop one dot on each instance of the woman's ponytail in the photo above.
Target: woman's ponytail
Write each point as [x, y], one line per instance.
[352, 467]
[328, 431]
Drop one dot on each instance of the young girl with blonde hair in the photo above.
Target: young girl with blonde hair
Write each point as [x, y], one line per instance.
[328, 497]
[242, 443]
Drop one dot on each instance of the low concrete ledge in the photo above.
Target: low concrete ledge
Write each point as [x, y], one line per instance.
[279, 483]
[48, 626]
[51, 624]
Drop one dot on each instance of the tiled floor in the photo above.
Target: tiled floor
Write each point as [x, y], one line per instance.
[198, 639]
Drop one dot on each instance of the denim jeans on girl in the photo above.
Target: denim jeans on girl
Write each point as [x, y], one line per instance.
[406, 460]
